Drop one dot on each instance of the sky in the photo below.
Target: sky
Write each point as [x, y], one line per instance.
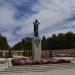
[17, 17]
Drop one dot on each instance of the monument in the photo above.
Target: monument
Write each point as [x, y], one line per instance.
[36, 42]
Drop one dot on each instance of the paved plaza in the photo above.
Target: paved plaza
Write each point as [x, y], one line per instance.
[47, 69]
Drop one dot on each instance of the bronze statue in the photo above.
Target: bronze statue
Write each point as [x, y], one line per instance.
[36, 24]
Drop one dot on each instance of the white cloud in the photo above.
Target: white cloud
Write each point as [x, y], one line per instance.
[9, 35]
[20, 2]
[6, 16]
[48, 12]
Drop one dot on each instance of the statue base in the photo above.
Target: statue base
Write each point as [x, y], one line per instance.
[36, 48]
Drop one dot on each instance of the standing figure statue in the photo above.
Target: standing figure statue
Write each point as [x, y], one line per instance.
[36, 24]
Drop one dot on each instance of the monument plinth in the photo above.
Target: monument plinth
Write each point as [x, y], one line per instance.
[36, 43]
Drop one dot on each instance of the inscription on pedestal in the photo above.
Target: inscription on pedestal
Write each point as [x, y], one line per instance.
[37, 42]
[36, 48]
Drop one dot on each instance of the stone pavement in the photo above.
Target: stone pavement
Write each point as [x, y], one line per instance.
[47, 69]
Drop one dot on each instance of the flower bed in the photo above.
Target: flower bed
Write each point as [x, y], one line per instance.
[21, 61]
[27, 60]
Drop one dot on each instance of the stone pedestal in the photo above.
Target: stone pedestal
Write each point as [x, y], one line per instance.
[36, 48]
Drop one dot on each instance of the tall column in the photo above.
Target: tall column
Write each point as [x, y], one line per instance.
[36, 43]
[36, 48]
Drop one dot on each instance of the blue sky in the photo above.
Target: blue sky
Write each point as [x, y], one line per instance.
[17, 17]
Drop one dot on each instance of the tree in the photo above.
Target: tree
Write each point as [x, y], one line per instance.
[54, 41]
[9, 53]
[49, 43]
[60, 41]
[69, 39]
[73, 41]
[3, 43]
[44, 43]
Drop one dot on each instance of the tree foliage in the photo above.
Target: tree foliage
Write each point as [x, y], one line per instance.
[24, 44]
[60, 41]
[3, 43]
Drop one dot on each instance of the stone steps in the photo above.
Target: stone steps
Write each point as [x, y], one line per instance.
[38, 68]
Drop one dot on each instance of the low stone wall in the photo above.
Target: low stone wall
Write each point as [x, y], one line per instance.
[5, 63]
[45, 53]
